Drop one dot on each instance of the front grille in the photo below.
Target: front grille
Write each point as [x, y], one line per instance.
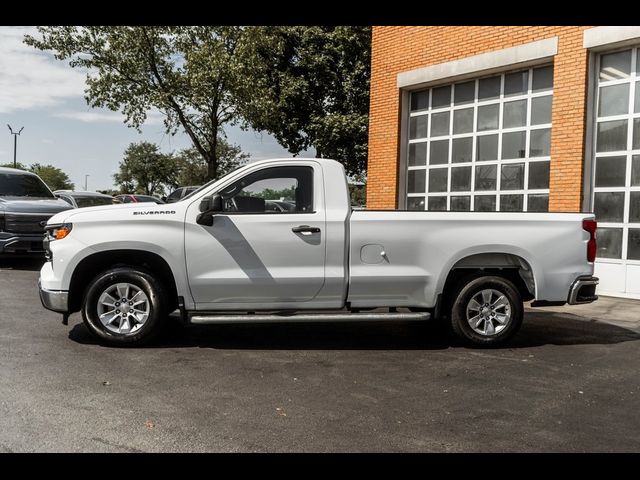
[25, 223]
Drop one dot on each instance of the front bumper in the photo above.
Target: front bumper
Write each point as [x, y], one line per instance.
[55, 300]
[583, 290]
[21, 244]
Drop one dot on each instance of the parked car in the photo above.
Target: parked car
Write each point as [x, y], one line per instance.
[222, 256]
[85, 199]
[135, 198]
[180, 193]
[26, 203]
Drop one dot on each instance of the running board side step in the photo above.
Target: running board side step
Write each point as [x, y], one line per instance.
[210, 319]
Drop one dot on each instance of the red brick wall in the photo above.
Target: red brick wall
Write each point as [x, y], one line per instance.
[398, 49]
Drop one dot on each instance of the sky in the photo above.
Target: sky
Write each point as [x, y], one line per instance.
[46, 97]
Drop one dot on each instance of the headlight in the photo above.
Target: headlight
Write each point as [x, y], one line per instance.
[58, 232]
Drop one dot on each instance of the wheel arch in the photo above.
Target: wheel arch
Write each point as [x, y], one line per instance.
[96, 263]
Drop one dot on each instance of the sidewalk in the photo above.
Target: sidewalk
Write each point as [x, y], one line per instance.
[622, 312]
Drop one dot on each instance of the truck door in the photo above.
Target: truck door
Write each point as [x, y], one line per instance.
[267, 246]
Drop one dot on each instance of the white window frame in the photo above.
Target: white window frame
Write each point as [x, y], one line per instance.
[475, 134]
[634, 78]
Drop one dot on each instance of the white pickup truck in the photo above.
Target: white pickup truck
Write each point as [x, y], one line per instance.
[277, 240]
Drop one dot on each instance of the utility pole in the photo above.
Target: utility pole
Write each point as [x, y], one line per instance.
[85, 181]
[15, 142]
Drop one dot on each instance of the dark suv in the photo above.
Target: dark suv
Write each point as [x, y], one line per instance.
[26, 204]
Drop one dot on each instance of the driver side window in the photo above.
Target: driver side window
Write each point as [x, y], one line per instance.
[271, 190]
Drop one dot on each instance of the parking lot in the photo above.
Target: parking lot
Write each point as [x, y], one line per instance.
[568, 382]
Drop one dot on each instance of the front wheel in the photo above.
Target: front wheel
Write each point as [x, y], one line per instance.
[487, 311]
[124, 306]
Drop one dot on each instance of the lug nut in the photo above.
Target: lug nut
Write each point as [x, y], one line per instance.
[117, 304]
[117, 311]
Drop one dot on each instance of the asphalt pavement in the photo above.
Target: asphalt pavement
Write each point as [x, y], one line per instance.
[568, 382]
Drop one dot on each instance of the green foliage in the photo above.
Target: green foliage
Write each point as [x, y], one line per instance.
[54, 177]
[192, 169]
[270, 194]
[145, 169]
[310, 88]
[358, 194]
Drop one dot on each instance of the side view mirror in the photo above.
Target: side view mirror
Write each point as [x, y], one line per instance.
[209, 206]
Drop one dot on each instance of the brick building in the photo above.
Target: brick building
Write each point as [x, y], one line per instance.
[538, 118]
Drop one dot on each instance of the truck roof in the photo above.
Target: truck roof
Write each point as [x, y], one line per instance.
[15, 171]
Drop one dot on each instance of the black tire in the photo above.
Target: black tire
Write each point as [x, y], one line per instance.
[472, 287]
[146, 282]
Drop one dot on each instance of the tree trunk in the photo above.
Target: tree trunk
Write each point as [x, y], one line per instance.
[212, 161]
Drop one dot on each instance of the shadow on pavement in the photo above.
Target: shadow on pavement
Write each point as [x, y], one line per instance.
[539, 328]
[31, 263]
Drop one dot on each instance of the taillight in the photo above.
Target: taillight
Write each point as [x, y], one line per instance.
[592, 247]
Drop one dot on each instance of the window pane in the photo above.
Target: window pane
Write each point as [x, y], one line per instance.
[461, 179]
[418, 127]
[516, 83]
[634, 207]
[419, 100]
[633, 245]
[614, 100]
[513, 145]
[615, 65]
[609, 206]
[635, 171]
[437, 204]
[415, 181]
[540, 143]
[488, 117]
[541, 110]
[636, 107]
[438, 180]
[441, 97]
[439, 152]
[486, 177]
[511, 203]
[542, 79]
[461, 151]
[485, 203]
[460, 204]
[464, 92]
[538, 203]
[463, 120]
[610, 171]
[415, 203]
[515, 114]
[612, 136]
[439, 124]
[489, 88]
[487, 148]
[609, 242]
[636, 133]
[512, 177]
[417, 154]
[538, 175]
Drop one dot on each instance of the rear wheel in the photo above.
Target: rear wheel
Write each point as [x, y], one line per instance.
[124, 306]
[487, 311]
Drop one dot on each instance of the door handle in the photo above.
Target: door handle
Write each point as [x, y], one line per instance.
[305, 229]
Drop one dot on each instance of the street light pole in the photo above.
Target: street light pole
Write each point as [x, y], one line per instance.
[85, 181]
[15, 142]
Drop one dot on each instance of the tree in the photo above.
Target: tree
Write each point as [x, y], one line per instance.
[192, 169]
[145, 169]
[190, 74]
[55, 178]
[310, 88]
[19, 166]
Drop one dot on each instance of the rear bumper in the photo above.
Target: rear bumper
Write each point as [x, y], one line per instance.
[54, 300]
[583, 290]
[21, 244]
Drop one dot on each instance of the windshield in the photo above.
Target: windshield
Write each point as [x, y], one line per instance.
[16, 185]
[93, 201]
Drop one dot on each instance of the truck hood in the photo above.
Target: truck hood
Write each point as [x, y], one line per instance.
[121, 210]
[33, 205]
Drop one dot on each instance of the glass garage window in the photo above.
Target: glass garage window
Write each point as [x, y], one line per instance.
[484, 144]
[616, 169]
